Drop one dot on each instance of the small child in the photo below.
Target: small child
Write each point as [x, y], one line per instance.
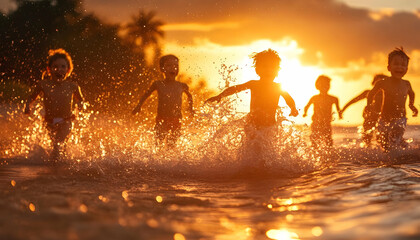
[393, 121]
[58, 93]
[370, 118]
[169, 116]
[321, 120]
[265, 93]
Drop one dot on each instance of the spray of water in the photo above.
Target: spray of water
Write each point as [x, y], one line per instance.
[216, 142]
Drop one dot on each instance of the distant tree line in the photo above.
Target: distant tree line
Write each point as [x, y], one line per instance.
[109, 59]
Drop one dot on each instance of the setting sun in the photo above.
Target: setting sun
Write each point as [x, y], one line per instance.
[296, 79]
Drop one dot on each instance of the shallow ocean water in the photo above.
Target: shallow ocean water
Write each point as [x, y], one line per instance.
[215, 185]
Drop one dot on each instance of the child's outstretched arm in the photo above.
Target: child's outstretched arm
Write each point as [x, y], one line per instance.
[35, 92]
[373, 92]
[190, 100]
[229, 91]
[337, 106]
[78, 97]
[363, 95]
[291, 103]
[411, 96]
[144, 97]
[305, 110]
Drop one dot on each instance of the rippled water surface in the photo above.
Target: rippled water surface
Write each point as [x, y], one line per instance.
[215, 185]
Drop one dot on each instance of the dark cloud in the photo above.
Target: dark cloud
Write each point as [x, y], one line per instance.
[340, 32]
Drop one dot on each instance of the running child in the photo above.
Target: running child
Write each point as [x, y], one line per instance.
[265, 93]
[370, 117]
[58, 95]
[393, 121]
[321, 134]
[169, 91]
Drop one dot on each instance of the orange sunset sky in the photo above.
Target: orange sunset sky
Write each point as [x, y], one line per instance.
[347, 40]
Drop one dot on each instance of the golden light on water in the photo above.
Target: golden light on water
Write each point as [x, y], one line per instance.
[159, 199]
[83, 208]
[152, 223]
[288, 201]
[281, 234]
[13, 182]
[179, 236]
[124, 195]
[103, 199]
[122, 221]
[32, 207]
[317, 231]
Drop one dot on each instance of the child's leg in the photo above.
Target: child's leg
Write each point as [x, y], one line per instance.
[369, 126]
[321, 134]
[173, 137]
[315, 135]
[328, 136]
[368, 129]
[169, 129]
[383, 134]
[160, 131]
[397, 132]
[59, 133]
[175, 131]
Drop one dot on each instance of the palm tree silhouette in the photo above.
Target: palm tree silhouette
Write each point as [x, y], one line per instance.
[144, 31]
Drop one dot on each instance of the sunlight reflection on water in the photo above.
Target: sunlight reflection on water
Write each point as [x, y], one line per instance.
[210, 187]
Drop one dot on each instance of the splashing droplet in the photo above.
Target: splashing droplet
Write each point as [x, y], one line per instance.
[317, 231]
[32, 207]
[83, 208]
[124, 194]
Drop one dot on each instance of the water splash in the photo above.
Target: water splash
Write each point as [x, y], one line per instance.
[217, 142]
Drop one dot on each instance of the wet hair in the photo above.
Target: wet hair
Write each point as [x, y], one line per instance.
[322, 81]
[55, 54]
[266, 56]
[165, 58]
[378, 77]
[397, 52]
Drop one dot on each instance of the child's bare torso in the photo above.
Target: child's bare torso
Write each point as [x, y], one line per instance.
[170, 98]
[264, 102]
[395, 95]
[58, 98]
[323, 107]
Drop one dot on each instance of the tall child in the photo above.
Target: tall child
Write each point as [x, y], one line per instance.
[58, 93]
[321, 120]
[265, 93]
[393, 121]
[370, 117]
[169, 90]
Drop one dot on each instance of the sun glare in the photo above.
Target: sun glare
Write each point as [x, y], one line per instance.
[298, 80]
[205, 60]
